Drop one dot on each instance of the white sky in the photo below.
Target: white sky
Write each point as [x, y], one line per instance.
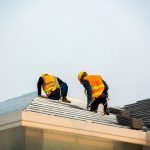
[64, 37]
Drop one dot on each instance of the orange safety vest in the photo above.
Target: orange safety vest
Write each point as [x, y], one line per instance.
[96, 84]
[50, 83]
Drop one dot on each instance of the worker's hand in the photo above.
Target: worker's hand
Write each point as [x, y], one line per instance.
[87, 107]
[104, 95]
[93, 98]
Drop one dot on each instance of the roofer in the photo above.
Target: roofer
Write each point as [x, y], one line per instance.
[96, 90]
[53, 87]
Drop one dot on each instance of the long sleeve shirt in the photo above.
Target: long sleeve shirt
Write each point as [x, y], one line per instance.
[40, 83]
[88, 90]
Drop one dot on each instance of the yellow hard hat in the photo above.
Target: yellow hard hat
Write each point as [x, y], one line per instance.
[80, 75]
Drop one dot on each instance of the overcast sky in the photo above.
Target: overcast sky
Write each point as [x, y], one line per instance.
[64, 37]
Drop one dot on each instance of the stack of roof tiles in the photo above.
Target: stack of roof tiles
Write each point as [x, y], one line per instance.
[135, 115]
[140, 113]
[115, 110]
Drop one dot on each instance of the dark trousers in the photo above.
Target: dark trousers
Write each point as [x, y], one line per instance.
[58, 93]
[97, 101]
[64, 89]
[55, 95]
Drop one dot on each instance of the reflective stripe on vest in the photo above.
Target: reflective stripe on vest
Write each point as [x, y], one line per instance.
[50, 83]
[96, 84]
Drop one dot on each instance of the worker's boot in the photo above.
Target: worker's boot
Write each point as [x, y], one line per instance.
[64, 99]
[106, 112]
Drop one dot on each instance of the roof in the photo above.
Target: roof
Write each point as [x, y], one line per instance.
[135, 115]
[139, 111]
[33, 103]
[16, 104]
[50, 107]
[32, 111]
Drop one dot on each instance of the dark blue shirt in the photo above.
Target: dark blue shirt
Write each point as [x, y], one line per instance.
[88, 90]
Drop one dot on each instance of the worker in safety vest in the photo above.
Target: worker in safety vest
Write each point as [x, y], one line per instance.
[53, 87]
[96, 90]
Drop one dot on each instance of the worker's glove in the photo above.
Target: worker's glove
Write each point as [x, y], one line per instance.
[104, 95]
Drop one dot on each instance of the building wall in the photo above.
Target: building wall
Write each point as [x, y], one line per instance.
[12, 139]
[146, 147]
[50, 140]
[126, 146]
[21, 138]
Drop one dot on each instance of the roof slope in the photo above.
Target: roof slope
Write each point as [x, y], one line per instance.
[55, 108]
[32, 103]
[36, 112]
[16, 104]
